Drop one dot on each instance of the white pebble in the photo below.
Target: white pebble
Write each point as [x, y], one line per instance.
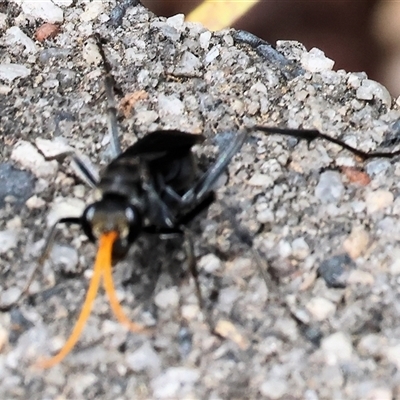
[174, 382]
[10, 296]
[284, 248]
[170, 105]
[212, 54]
[35, 202]
[14, 35]
[316, 61]
[91, 53]
[204, 39]
[167, 298]
[53, 148]
[330, 187]
[9, 72]
[393, 355]
[144, 359]
[29, 158]
[92, 11]
[274, 388]
[189, 64]
[320, 308]
[370, 89]
[64, 207]
[3, 21]
[261, 180]
[8, 240]
[210, 263]
[378, 200]
[65, 256]
[300, 249]
[337, 348]
[176, 21]
[45, 10]
[63, 3]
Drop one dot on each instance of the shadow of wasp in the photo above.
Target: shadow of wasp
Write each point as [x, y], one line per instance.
[154, 186]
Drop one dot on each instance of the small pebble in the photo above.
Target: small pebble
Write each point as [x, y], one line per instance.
[29, 158]
[9, 72]
[330, 187]
[16, 183]
[65, 256]
[261, 180]
[64, 207]
[360, 277]
[337, 348]
[212, 55]
[174, 382]
[357, 242]
[176, 21]
[300, 249]
[274, 388]
[375, 167]
[91, 53]
[3, 338]
[3, 21]
[354, 175]
[392, 354]
[47, 31]
[170, 105]
[380, 393]
[53, 148]
[372, 345]
[204, 39]
[320, 308]
[378, 200]
[189, 64]
[229, 331]
[335, 270]
[45, 10]
[370, 89]
[15, 36]
[8, 240]
[92, 11]
[316, 61]
[144, 359]
[10, 296]
[35, 202]
[167, 298]
[210, 263]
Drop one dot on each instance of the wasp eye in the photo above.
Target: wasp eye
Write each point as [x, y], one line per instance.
[87, 219]
[135, 222]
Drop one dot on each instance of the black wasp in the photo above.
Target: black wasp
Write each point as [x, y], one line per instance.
[154, 186]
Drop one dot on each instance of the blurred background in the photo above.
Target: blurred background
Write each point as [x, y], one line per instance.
[359, 35]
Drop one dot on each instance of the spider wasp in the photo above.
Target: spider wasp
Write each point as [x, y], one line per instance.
[154, 186]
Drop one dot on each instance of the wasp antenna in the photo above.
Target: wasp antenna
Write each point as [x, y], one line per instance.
[111, 104]
[103, 257]
[112, 297]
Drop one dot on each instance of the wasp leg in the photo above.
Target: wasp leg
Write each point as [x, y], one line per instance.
[312, 134]
[85, 170]
[111, 104]
[207, 180]
[46, 250]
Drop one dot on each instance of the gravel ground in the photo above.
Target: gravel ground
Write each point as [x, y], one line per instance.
[325, 327]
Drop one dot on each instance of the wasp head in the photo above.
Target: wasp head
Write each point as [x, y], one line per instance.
[113, 213]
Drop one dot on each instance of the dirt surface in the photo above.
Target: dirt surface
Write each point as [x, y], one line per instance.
[324, 223]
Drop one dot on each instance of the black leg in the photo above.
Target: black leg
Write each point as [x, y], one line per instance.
[46, 250]
[207, 180]
[312, 134]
